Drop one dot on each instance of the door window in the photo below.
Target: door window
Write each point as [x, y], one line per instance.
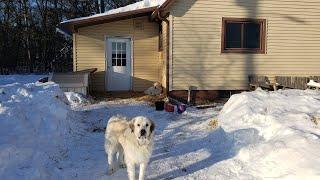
[119, 54]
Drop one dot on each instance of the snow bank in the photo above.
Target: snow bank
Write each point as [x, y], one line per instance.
[287, 141]
[313, 83]
[34, 130]
[130, 7]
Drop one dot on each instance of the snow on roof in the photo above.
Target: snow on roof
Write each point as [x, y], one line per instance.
[135, 6]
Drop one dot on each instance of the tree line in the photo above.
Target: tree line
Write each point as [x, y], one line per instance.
[29, 39]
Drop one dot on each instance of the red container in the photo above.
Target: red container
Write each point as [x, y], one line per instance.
[169, 107]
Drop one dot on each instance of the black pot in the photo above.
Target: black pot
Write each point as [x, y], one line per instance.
[159, 105]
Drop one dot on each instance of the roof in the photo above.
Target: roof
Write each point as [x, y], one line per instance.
[141, 8]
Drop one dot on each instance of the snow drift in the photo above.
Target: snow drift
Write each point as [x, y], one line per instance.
[286, 143]
[34, 130]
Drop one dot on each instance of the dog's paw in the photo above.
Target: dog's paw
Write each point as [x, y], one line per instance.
[110, 171]
[123, 165]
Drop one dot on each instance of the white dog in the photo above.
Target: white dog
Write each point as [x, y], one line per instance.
[132, 141]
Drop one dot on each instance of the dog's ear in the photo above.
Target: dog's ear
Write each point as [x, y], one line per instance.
[131, 125]
[152, 126]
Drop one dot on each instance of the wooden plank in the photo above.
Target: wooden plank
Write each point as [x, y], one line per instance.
[294, 82]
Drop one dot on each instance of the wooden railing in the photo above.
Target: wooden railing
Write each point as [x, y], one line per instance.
[292, 82]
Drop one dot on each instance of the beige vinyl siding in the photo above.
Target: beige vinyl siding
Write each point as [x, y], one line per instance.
[292, 42]
[90, 51]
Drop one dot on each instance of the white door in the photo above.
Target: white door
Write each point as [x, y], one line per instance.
[118, 64]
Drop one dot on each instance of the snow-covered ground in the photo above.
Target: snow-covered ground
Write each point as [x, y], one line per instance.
[260, 135]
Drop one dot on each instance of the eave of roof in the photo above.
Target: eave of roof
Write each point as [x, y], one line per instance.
[73, 25]
[165, 5]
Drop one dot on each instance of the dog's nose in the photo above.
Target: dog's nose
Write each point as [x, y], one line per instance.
[143, 132]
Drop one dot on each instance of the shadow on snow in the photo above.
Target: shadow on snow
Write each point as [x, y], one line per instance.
[180, 141]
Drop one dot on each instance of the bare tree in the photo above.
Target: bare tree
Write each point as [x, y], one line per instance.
[29, 41]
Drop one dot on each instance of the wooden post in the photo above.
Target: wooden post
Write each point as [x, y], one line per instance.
[189, 94]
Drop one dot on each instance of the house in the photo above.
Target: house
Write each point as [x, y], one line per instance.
[206, 44]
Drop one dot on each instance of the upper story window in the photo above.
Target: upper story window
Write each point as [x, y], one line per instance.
[243, 35]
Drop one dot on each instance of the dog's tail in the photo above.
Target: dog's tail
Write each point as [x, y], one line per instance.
[117, 118]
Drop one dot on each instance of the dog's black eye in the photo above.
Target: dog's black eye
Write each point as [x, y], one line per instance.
[147, 125]
[138, 124]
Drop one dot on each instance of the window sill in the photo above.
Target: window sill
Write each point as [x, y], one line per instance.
[244, 51]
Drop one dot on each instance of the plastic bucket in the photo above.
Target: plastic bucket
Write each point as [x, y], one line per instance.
[182, 108]
[169, 107]
[159, 105]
